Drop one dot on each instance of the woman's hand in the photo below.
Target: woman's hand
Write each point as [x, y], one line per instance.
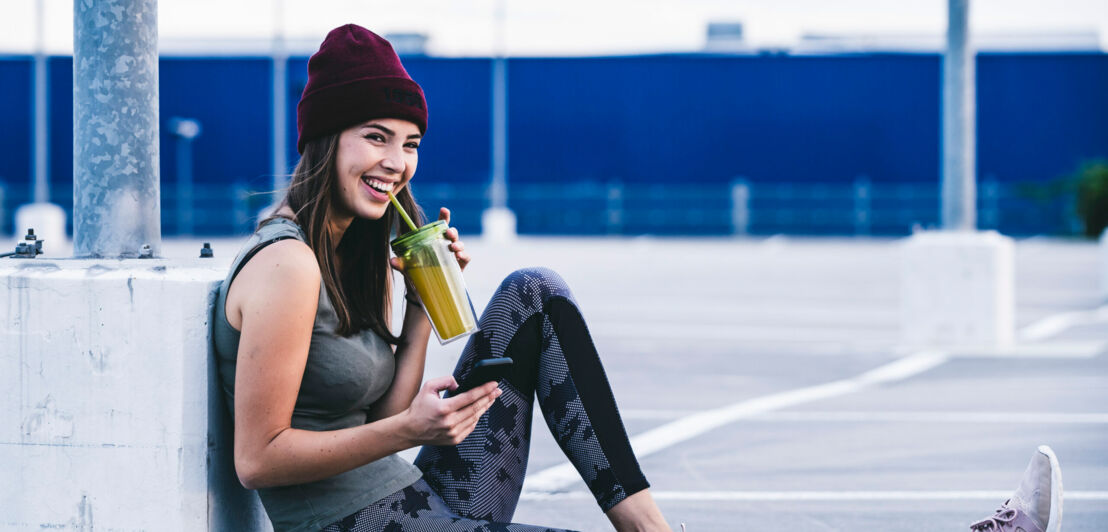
[456, 245]
[436, 421]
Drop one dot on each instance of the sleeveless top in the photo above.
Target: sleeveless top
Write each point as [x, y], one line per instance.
[342, 379]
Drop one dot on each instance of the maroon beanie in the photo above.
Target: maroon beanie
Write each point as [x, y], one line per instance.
[355, 76]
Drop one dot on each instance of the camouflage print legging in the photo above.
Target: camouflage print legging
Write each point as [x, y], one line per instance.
[475, 486]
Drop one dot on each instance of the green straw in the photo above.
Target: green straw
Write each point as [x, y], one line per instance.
[400, 210]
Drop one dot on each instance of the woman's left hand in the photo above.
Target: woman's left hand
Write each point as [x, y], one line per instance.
[456, 244]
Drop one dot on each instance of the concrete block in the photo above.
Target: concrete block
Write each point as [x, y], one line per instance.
[957, 289]
[498, 225]
[112, 415]
[1104, 266]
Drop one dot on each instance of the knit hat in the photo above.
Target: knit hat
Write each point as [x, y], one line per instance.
[355, 76]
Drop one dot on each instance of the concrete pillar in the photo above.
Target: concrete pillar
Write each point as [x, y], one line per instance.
[113, 418]
[115, 128]
[959, 110]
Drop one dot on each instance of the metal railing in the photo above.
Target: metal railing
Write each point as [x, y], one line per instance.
[742, 207]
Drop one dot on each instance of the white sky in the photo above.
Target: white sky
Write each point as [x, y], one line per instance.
[565, 27]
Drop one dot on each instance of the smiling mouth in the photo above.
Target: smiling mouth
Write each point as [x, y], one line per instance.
[378, 185]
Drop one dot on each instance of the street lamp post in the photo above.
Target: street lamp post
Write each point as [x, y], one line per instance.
[186, 130]
[280, 92]
[116, 209]
[959, 191]
[42, 175]
[498, 223]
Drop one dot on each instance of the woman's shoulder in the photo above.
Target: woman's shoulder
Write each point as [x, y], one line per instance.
[287, 260]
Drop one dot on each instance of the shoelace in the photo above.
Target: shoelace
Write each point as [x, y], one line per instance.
[1003, 516]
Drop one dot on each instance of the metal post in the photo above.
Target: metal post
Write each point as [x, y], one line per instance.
[280, 93]
[115, 129]
[498, 190]
[42, 176]
[740, 207]
[240, 208]
[186, 131]
[959, 109]
[498, 222]
[614, 208]
[862, 205]
[990, 190]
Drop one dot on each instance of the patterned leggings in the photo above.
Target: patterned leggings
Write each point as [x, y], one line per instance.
[475, 486]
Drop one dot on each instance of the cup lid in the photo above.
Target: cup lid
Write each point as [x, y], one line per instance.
[427, 232]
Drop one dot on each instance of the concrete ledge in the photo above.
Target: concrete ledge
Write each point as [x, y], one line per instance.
[113, 417]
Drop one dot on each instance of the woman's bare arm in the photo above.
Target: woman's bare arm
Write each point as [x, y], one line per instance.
[411, 352]
[411, 357]
[273, 300]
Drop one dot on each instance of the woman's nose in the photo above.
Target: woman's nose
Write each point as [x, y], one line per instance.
[393, 160]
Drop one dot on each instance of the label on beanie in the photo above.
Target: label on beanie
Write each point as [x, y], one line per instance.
[403, 97]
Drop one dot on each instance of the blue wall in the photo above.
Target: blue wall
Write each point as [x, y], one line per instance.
[637, 119]
[16, 115]
[660, 119]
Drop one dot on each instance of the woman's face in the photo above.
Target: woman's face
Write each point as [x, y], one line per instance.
[374, 157]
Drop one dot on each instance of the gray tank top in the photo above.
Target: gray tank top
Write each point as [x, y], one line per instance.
[342, 379]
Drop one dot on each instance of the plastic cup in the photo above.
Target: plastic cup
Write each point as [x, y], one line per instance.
[432, 267]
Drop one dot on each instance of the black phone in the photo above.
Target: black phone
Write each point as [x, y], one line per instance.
[490, 369]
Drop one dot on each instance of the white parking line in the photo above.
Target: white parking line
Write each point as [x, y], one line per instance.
[560, 476]
[1028, 418]
[1052, 325]
[1055, 350]
[741, 333]
[817, 496]
[1007, 418]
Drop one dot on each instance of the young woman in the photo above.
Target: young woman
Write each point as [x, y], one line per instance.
[324, 395]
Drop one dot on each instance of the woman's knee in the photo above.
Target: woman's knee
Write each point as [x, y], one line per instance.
[542, 280]
[535, 285]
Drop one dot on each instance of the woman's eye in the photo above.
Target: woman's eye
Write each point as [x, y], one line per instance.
[412, 145]
[375, 136]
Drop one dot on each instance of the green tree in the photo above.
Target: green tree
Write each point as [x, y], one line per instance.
[1092, 196]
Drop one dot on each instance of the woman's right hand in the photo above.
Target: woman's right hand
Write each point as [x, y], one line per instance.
[437, 421]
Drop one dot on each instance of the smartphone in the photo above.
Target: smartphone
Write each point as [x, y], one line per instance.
[490, 369]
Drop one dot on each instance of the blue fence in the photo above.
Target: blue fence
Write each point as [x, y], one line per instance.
[662, 136]
[741, 207]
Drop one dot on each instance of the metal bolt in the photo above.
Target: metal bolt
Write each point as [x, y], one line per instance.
[30, 248]
[206, 251]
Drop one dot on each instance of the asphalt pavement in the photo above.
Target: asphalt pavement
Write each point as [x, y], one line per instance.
[764, 386]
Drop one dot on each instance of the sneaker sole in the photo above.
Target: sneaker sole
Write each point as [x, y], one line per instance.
[1055, 522]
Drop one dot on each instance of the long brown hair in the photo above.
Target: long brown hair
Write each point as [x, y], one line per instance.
[362, 292]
